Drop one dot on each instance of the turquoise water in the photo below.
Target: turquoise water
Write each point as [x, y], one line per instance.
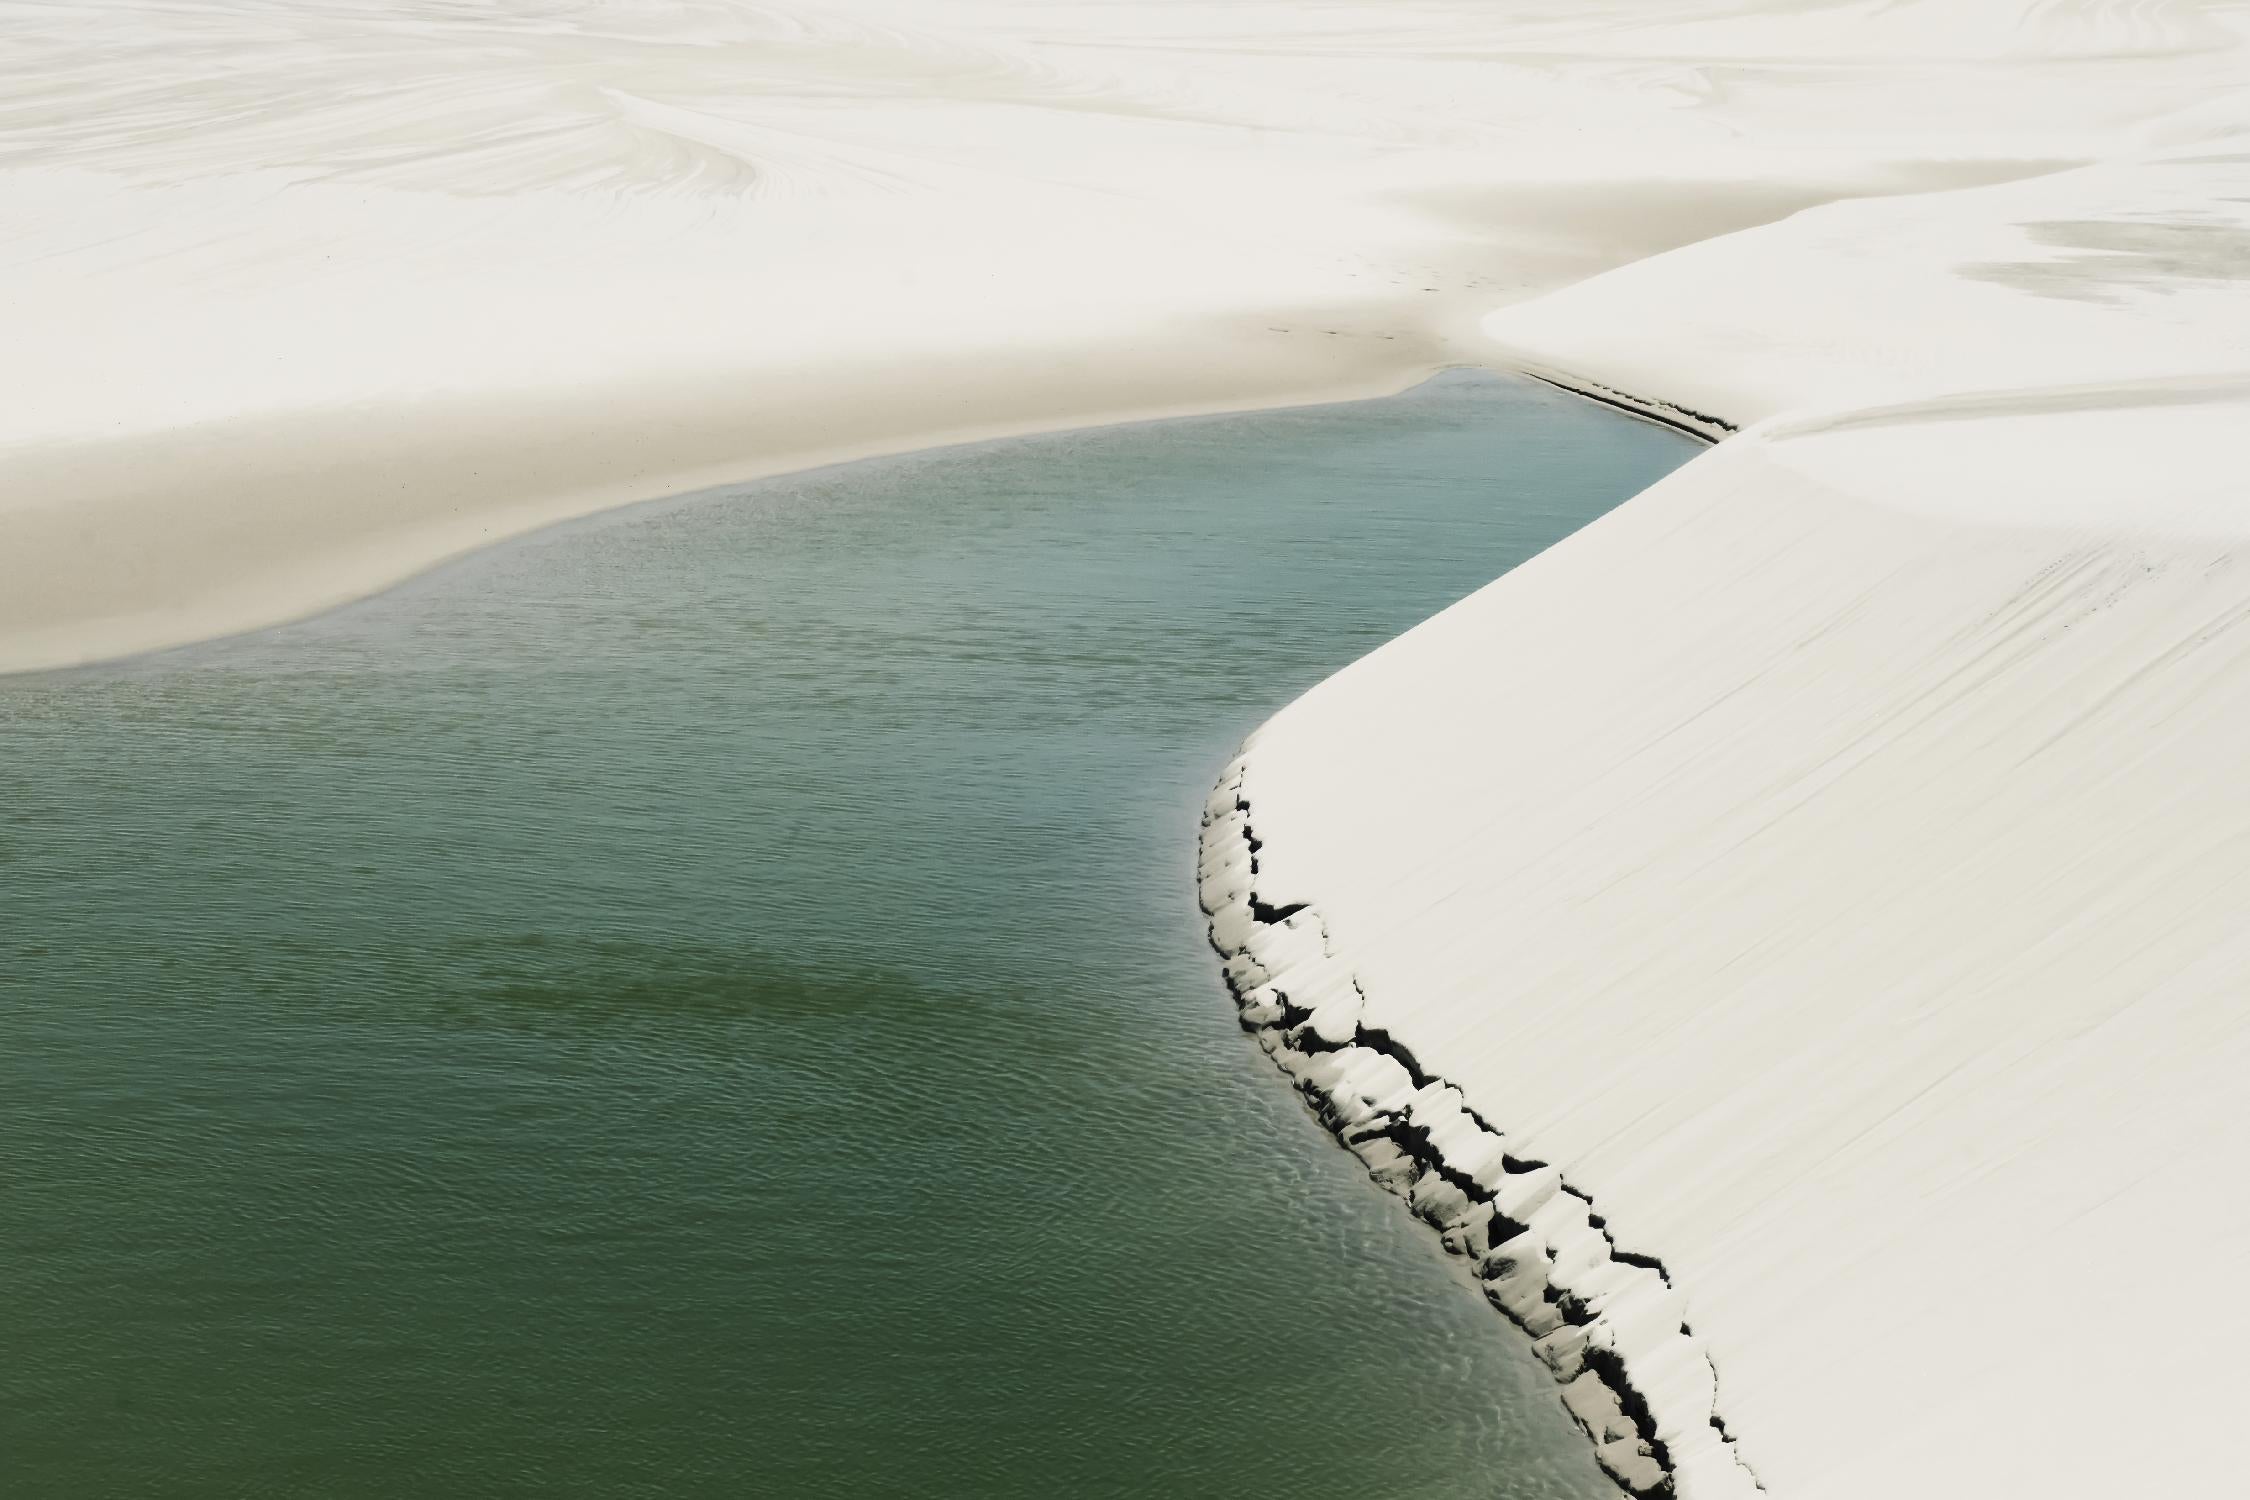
[709, 1001]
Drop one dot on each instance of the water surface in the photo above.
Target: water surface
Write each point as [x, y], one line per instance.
[708, 1001]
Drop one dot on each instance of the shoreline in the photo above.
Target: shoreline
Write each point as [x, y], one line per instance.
[322, 568]
[1828, 862]
[1770, 855]
[1694, 424]
[1607, 1322]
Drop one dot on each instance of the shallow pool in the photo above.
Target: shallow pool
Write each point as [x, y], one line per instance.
[710, 1001]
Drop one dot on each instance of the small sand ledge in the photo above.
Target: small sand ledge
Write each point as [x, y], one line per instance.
[1663, 413]
[1606, 1321]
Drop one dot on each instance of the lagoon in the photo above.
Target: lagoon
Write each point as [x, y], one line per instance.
[709, 1000]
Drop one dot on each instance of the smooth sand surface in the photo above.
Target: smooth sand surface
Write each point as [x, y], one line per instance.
[302, 299]
[1834, 859]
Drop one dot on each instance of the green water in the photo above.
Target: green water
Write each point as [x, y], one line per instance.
[709, 1002]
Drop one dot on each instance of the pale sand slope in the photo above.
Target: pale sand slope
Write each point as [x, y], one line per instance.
[300, 297]
[1836, 860]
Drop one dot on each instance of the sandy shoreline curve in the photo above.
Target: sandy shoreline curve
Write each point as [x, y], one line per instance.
[1606, 1321]
[270, 520]
[1829, 862]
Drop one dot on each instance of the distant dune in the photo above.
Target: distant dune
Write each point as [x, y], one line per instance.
[303, 298]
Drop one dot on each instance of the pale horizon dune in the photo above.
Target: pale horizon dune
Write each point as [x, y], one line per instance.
[305, 299]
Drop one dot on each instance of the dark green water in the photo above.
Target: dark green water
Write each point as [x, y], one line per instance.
[709, 1002]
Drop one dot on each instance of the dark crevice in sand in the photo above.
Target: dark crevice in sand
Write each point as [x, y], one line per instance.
[1679, 418]
[1597, 1314]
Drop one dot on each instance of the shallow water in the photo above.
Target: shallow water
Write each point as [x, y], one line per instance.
[709, 1001]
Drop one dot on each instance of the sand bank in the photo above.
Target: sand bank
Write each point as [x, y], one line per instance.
[303, 299]
[1811, 894]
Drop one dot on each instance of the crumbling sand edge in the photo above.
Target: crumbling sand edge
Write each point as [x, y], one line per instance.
[1606, 1321]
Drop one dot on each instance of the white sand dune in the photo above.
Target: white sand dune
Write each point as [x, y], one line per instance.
[1832, 864]
[303, 297]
